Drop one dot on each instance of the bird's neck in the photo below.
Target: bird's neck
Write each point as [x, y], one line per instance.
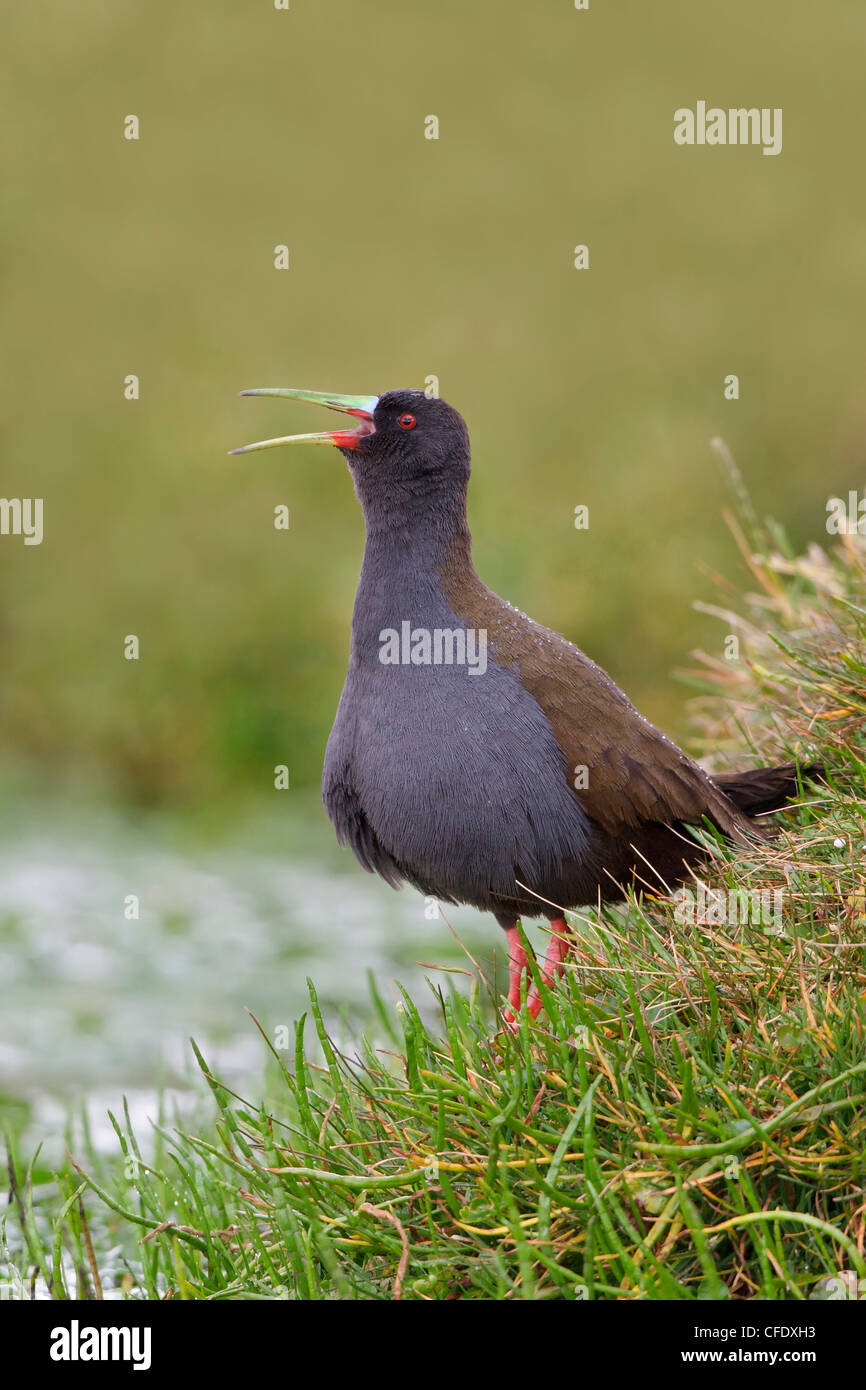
[406, 551]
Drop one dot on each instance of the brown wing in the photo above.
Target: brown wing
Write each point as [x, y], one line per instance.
[634, 772]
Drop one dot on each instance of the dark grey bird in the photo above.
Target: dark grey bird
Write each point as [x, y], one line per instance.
[475, 754]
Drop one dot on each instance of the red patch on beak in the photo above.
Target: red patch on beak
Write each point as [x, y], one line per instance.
[350, 439]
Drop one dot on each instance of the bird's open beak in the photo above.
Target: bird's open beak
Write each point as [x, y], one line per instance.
[362, 406]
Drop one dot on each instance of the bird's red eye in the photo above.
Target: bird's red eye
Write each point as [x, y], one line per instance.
[407, 422]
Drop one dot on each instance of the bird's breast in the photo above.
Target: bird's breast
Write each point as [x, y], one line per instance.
[451, 764]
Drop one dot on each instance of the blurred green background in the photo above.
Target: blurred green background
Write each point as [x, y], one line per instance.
[409, 257]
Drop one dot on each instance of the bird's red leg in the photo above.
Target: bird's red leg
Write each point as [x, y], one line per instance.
[557, 950]
[518, 962]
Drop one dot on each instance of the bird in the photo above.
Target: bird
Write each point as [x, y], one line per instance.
[476, 754]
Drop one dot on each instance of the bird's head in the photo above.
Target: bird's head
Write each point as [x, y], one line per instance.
[405, 442]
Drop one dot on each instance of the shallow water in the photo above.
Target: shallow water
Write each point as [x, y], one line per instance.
[97, 1005]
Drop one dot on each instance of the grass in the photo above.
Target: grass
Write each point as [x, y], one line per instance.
[687, 1121]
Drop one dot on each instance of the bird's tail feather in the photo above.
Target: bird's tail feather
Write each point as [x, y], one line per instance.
[762, 789]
